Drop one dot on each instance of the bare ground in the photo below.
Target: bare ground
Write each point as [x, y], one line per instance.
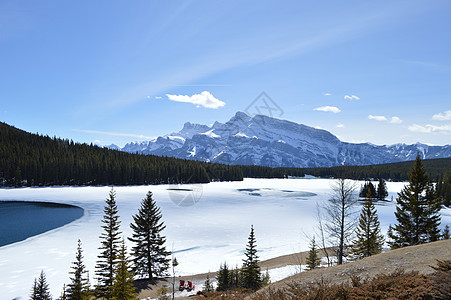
[414, 258]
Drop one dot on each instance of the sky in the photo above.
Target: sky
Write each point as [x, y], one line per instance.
[120, 71]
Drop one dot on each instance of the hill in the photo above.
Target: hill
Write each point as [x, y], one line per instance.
[34, 160]
[417, 258]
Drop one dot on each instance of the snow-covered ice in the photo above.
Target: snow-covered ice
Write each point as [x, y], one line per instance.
[210, 228]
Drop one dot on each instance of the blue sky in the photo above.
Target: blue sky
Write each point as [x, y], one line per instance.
[120, 71]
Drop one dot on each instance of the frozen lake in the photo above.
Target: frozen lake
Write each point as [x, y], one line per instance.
[206, 225]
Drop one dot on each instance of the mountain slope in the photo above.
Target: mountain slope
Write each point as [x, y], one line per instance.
[266, 141]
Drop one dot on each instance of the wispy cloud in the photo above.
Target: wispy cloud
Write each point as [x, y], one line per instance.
[339, 125]
[443, 116]
[351, 97]
[115, 133]
[206, 85]
[428, 128]
[377, 118]
[333, 109]
[433, 66]
[327, 94]
[205, 99]
[395, 120]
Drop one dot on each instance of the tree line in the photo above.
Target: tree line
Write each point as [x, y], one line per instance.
[436, 168]
[34, 160]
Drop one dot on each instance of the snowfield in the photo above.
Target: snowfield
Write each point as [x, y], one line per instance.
[206, 224]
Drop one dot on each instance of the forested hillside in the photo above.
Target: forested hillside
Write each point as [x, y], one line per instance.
[34, 160]
[394, 171]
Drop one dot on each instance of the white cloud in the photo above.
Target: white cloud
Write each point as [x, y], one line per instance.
[327, 94]
[428, 128]
[339, 125]
[115, 133]
[377, 118]
[351, 97]
[444, 116]
[328, 108]
[204, 99]
[157, 97]
[395, 120]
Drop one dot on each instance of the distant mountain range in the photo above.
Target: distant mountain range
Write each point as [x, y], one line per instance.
[266, 141]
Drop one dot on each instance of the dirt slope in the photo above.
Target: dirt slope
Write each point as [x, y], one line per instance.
[414, 258]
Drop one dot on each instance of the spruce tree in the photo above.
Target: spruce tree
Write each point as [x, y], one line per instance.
[223, 278]
[382, 192]
[313, 261]
[78, 289]
[445, 234]
[110, 242]
[234, 278]
[150, 256]
[368, 186]
[208, 286]
[369, 239]
[123, 288]
[417, 211]
[251, 274]
[40, 290]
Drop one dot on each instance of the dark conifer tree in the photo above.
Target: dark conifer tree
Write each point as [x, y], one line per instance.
[445, 234]
[417, 211]
[443, 189]
[223, 278]
[234, 278]
[208, 286]
[150, 256]
[110, 242]
[369, 239]
[313, 261]
[40, 290]
[123, 288]
[78, 289]
[382, 192]
[368, 186]
[251, 275]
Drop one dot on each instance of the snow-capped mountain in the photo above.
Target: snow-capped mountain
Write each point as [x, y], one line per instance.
[266, 141]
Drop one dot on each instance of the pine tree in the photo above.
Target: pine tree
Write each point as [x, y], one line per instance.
[208, 286]
[251, 274]
[223, 278]
[110, 242]
[445, 234]
[150, 256]
[368, 186]
[369, 238]
[40, 290]
[78, 289]
[382, 192]
[417, 211]
[313, 261]
[123, 288]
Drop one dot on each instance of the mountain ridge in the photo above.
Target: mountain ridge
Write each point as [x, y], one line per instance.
[267, 141]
